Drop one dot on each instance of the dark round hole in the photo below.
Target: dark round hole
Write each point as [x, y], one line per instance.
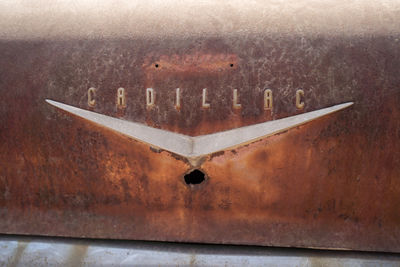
[194, 177]
[231, 65]
[156, 65]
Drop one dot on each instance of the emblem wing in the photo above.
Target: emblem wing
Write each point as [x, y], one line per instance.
[207, 144]
[192, 147]
[176, 143]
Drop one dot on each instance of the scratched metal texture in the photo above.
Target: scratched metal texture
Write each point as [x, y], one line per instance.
[331, 183]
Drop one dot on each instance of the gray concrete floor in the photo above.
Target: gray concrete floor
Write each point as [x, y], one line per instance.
[46, 251]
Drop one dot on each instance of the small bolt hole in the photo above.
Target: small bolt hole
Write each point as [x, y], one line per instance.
[156, 65]
[194, 177]
[231, 65]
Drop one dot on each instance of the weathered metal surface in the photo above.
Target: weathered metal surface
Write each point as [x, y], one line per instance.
[39, 251]
[331, 183]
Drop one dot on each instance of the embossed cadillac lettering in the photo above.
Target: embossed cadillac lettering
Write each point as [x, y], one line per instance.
[150, 98]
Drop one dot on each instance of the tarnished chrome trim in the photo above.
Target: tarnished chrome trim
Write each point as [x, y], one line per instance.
[192, 147]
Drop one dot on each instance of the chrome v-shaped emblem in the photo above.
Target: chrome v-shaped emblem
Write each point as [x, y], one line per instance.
[196, 147]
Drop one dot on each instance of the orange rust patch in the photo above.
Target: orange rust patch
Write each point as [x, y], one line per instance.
[191, 63]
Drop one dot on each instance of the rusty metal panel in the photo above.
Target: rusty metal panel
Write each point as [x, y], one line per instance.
[329, 182]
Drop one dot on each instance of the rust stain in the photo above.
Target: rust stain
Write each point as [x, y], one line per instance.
[77, 255]
[193, 260]
[190, 63]
[17, 254]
